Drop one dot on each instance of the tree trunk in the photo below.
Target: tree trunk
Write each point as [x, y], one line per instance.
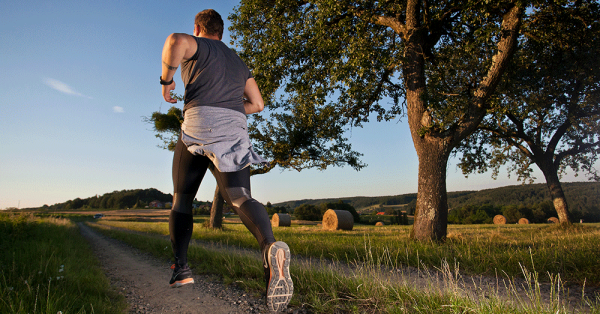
[431, 215]
[216, 211]
[556, 192]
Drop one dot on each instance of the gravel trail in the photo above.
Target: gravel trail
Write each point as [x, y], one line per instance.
[143, 280]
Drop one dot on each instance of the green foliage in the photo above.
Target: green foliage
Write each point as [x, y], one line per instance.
[201, 210]
[309, 212]
[546, 112]
[271, 210]
[167, 125]
[399, 218]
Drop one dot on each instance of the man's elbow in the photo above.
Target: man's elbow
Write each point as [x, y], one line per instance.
[260, 106]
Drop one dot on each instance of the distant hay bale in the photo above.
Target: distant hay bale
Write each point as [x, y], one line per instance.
[523, 221]
[499, 220]
[553, 220]
[380, 223]
[281, 220]
[338, 220]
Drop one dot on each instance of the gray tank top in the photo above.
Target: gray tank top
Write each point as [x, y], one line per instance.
[215, 76]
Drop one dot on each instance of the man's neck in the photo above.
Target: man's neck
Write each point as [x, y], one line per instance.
[214, 37]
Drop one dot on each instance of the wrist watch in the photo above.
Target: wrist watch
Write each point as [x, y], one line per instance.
[165, 82]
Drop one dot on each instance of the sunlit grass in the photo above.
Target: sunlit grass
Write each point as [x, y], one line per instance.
[572, 252]
[324, 286]
[47, 267]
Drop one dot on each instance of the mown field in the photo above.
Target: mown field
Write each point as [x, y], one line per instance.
[536, 255]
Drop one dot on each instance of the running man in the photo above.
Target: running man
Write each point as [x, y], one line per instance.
[219, 92]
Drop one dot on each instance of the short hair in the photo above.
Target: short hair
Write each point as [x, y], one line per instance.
[210, 22]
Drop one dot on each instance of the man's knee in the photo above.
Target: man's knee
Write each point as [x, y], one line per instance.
[238, 195]
[183, 203]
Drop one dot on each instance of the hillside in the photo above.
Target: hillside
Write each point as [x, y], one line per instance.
[582, 197]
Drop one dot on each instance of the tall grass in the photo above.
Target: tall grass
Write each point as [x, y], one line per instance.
[325, 288]
[573, 252]
[47, 267]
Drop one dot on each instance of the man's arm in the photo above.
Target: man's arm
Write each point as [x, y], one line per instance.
[178, 47]
[254, 102]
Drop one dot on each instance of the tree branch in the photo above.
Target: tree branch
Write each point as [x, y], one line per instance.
[574, 151]
[387, 21]
[511, 22]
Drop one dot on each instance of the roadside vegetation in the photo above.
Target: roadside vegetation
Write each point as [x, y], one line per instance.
[47, 267]
[534, 253]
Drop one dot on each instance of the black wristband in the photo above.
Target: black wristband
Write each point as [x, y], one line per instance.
[165, 82]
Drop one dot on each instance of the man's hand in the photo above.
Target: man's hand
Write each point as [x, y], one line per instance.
[166, 91]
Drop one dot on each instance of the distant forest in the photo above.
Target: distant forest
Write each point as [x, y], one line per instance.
[115, 200]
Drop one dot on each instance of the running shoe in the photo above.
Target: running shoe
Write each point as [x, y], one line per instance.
[181, 276]
[279, 283]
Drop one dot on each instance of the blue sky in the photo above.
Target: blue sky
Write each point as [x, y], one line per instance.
[78, 77]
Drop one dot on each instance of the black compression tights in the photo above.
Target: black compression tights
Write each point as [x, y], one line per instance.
[188, 172]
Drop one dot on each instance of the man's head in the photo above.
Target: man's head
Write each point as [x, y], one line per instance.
[209, 22]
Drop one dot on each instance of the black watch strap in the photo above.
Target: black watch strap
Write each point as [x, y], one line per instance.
[165, 82]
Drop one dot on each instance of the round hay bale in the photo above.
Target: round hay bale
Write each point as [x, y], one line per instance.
[338, 220]
[281, 220]
[553, 220]
[499, 220]
[380, 223]
[523, 221]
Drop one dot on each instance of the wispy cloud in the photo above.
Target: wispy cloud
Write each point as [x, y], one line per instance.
[118, 109]
[63, 87]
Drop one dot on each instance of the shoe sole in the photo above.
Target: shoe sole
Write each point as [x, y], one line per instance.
[281, 287]
[180, 283]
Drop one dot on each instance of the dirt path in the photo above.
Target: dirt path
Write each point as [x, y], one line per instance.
[143, 280]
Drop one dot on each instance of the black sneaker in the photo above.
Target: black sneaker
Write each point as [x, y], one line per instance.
[181, 276]
[279, 283]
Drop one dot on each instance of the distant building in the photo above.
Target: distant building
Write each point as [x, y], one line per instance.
[156, 204]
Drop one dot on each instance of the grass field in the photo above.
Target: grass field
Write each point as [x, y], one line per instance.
[537, 253]
[47, 267]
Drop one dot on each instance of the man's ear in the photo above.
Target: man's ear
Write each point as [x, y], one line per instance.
[196, 30]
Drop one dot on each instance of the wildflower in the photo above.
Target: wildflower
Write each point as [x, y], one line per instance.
[25, 281]
[10, 288]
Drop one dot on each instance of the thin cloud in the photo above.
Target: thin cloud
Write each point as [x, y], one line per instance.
[118, 109]
[63, 87]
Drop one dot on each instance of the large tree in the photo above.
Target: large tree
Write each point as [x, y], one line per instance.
[548, 112]
[437, 61]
